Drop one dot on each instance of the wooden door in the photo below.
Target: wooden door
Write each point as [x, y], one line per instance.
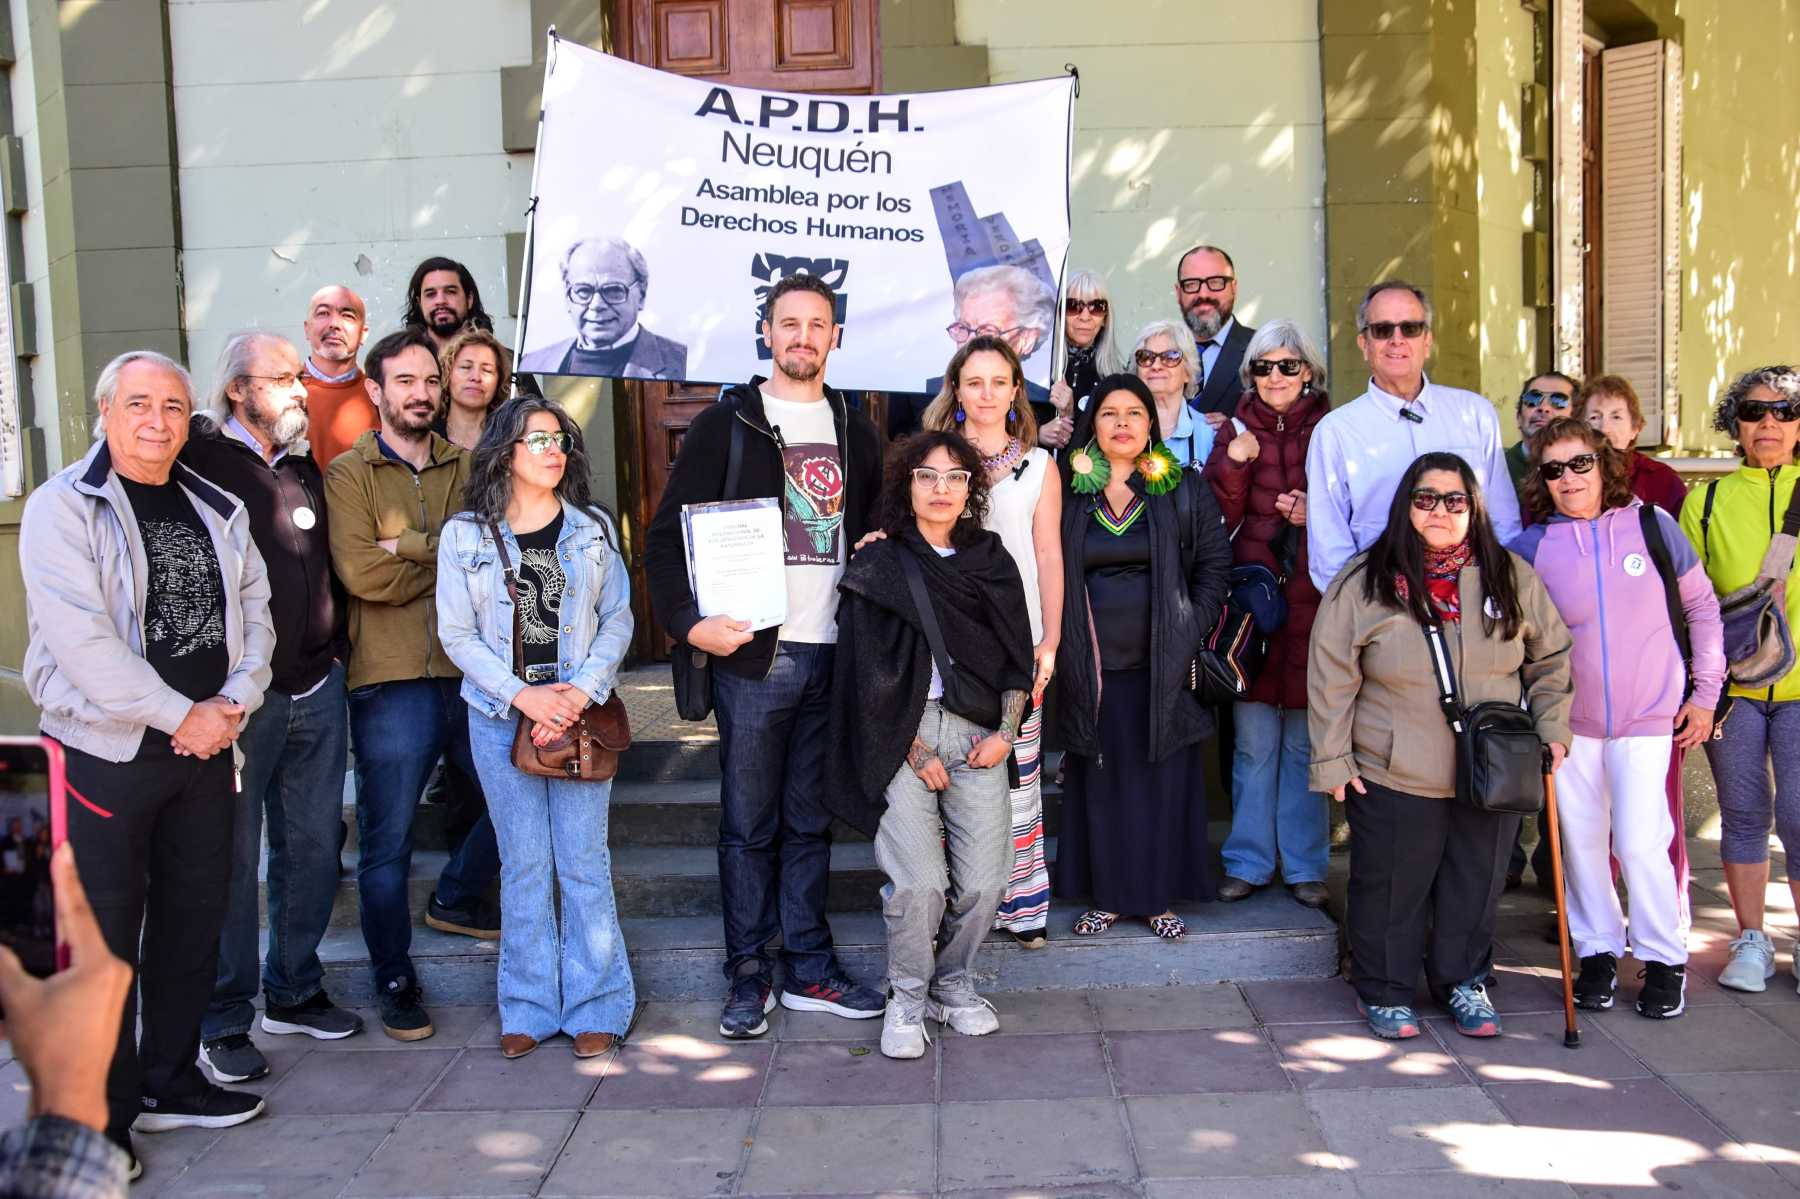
[782, 45]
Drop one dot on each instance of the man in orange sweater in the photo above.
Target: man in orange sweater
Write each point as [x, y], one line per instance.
[338, 408]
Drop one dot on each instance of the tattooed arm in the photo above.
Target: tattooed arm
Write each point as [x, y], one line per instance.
[1012, 711]
[924, 762]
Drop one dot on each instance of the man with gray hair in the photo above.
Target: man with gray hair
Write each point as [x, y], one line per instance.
[605, 282]
[147, 613]
[1359, 451]
[251, 440]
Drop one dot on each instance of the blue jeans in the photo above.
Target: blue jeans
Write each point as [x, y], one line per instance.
[399, 731]
[575, 979]
[774, 830]
[1273, 815]
[294, 757]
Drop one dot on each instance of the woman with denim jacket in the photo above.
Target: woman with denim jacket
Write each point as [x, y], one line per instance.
[528, 480]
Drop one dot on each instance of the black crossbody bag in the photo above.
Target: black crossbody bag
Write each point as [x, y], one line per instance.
[965, 695]
[1499, 758]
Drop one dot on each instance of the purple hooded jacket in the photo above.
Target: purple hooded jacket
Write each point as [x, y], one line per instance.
[1628, 672]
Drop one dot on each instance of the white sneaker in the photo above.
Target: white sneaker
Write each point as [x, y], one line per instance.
[1752, 962]
[903, 1036]
[977, 1019]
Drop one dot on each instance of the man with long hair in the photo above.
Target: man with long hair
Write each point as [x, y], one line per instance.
[443, 299]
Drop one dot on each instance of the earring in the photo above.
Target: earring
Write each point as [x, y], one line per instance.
[1012, 415]
[959, 414]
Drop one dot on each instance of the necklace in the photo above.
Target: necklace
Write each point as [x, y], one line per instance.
[1004, 460]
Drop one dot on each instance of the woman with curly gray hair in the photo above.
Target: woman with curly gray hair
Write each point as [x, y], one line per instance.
[1732, 522]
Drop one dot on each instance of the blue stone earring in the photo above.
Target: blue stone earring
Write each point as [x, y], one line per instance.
[959, 414]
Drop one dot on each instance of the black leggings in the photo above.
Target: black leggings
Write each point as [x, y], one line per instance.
[1413, 862]
[157, 867]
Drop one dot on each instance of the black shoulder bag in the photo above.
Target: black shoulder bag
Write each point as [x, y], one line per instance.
[1665, 569]
[1499, 759]
[690, 668]
[965, 695]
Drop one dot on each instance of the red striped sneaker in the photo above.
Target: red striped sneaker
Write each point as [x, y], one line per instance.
[840, 996]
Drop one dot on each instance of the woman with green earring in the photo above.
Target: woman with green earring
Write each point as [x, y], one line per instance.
[1146, 565]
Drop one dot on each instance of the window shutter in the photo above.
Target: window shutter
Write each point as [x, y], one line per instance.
[1640, 213]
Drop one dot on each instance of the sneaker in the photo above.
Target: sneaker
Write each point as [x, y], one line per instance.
[747, 1008]
[1390, 1022]
[403, 1016]
[233, 1058]
[1474, 1013]
[1599, 979]
[840, 996]
[1752, 962]
[1664, 996]
[972, 1016]
[480, 920]
[318, 1017]
[902, 1035]
[214, 1108]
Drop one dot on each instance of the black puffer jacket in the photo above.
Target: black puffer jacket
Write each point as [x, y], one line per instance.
[1183, 608]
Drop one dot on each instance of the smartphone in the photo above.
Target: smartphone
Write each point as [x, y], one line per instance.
[33, 822]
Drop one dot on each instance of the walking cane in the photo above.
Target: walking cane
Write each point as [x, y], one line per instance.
[1571, 1034]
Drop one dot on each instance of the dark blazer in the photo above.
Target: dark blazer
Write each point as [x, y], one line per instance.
[698, 477]
[1223, 387]
[652, 357]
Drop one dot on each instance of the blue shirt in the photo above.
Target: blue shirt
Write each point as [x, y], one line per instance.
[1209, 353]
[1359, 452]
[1192, 439]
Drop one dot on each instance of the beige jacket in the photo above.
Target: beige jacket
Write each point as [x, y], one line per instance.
[1372, 700]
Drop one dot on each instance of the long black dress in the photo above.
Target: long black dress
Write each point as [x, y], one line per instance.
[1133, 838]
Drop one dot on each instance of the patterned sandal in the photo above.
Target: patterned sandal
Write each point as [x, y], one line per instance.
[1094, 922]
[1169, 928]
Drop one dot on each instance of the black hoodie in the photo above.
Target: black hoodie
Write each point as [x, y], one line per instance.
[306, 603]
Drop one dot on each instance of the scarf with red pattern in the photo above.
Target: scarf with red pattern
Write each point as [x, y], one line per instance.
[1442, 567]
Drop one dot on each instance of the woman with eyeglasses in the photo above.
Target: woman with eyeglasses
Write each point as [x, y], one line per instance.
[1088, 341]
[1733, 521]
[1145, 568]
[1168, 364]
[1278, 824]
[984, 401]
[921, 733]
[1426, 868]
[1632, 711]
[474, 378]
[1610, 404]
[530, 521]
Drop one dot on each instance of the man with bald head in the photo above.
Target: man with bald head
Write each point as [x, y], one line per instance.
[250, 439]
[338, 407]
[604, 285]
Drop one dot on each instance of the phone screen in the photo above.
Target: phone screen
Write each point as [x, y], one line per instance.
[27, 913]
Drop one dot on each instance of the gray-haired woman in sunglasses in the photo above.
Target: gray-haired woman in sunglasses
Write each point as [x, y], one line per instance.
[1732, 522]
[1419, 857]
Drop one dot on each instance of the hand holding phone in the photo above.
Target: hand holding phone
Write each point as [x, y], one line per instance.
[64, 1028]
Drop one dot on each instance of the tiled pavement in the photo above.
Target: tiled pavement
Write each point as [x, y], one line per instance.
[1263, 1089]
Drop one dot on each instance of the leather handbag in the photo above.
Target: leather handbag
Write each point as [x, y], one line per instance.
[1232, 655]
[1759, 645]
[1499, 757]
[589, 751]
[690, 669]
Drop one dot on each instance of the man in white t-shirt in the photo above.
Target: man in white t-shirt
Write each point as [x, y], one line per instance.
[797, 441]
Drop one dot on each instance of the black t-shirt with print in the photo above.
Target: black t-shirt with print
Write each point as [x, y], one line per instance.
[184, 601]
[541, 583]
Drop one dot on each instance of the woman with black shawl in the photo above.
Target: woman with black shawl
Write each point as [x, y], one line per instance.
[921, 734]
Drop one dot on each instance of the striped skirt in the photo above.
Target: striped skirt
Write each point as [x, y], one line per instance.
[1025, 906]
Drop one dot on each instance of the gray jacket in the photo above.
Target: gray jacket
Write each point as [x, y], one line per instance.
[85, 579]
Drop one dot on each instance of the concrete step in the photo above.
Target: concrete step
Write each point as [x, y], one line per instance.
[1267, 936]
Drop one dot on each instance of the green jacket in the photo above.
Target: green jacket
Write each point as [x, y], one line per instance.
[393, 596]
[1748, 505]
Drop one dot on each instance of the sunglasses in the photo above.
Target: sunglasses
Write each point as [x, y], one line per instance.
[1191, 287]
[1166, 357]
[1077, 307]
[1535, 399]
[1750, 412]
[1454, 502]
[539, 442]
[584, 293]
[1385, 330]
[1262, 368]
[1581, 464]
[952, 480]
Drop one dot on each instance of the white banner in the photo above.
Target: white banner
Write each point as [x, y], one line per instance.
[667, 207]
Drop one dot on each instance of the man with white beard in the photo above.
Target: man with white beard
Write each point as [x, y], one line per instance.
[251, 440]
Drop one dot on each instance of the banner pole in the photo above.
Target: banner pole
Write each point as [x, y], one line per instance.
[524, 297]
[1059, 356]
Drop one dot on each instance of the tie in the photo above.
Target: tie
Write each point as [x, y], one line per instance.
[1203, 347]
